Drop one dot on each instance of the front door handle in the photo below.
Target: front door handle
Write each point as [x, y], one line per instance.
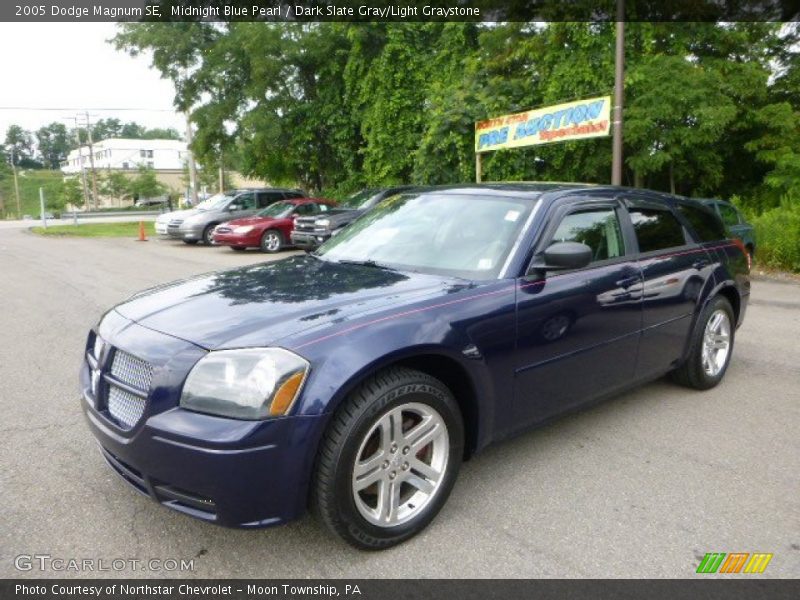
[699, 264]
[626, 282]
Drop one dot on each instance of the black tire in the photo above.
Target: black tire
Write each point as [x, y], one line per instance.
[691, 373]
[332, 497]
[208, 239]
[190, 242]
[266, 238]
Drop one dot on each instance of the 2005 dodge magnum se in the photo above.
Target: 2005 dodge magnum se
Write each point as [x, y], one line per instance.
[355, 380]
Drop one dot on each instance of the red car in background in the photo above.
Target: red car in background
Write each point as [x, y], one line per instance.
[271, 228]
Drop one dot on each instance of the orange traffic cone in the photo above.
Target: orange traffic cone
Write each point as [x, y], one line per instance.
[142, 235]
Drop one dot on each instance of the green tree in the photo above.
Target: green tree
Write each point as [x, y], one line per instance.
[117, 185]
[19, 145]
[53, 144]
[72, 191]
[146, 185]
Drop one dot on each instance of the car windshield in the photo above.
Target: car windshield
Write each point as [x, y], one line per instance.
[463, 236]
[215, 201]
[278, 210]
[357, 200]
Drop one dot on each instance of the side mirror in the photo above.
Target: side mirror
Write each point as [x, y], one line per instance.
[563, 256]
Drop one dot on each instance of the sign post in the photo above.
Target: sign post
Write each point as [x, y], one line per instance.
[578, 120]
[41, 208]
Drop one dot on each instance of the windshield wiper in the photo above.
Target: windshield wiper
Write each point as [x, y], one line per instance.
[365, 263]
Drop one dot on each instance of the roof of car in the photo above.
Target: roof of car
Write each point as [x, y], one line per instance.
[261, 189]
[552, 190]
[308, 200]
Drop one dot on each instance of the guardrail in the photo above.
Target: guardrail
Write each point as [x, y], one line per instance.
[110, 213]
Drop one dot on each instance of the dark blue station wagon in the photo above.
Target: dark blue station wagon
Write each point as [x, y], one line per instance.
[356, 379]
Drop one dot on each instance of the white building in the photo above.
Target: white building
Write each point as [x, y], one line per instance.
[128, 154]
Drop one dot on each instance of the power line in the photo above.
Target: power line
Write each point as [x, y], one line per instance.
[43, 108]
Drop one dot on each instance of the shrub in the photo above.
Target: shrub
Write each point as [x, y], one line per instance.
[778, 236]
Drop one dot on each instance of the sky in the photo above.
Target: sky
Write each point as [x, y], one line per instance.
[70, 67]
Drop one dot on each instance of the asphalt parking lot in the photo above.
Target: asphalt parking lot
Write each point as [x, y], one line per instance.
[640, 486]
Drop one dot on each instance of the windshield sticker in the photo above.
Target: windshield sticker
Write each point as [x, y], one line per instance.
[512, 215]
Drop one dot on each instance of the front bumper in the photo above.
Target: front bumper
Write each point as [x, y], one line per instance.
[194, 232]
[309, 240]
[236, 482]
[232, 239]
[225, 471]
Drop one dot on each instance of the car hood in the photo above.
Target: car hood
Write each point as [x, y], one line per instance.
[264, 303]
[249, 221]
[177, 214]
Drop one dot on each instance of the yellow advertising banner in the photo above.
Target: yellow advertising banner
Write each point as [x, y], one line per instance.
[569, 121]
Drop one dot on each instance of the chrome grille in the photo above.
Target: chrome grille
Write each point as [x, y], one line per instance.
[131, 370]
[175, 222]
[125, 407]
[301, 226]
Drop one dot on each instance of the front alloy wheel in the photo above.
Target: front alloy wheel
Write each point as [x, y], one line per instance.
[271, 241]
[389, 459]
[400, 463]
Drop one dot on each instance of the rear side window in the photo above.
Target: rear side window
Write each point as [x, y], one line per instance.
[705, 223]
[599, 229]
[292, 194]
[656, 228]
[729, 215]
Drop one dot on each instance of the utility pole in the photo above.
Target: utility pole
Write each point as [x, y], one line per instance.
[192, 166]
[221, 171]
[91, 159]
[16, 183]
[619, 82]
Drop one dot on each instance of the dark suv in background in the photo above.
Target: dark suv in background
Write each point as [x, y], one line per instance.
[735, 222]
[310, 232]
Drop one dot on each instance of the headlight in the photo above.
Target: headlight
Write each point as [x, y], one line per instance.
[322, 222]
[255, 383]
[243, 229]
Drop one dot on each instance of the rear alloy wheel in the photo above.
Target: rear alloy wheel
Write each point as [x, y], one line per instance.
[271, 241]
[712, 345]
[208, 235]
[389, 459]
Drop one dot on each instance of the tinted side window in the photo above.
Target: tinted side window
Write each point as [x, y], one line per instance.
[272, 197]
[729, 215]
[599, 229]
[704, 222]
[246, 201]
[656, 228]
[292, 194]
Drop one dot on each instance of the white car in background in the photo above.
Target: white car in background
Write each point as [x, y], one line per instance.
[162, 221]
